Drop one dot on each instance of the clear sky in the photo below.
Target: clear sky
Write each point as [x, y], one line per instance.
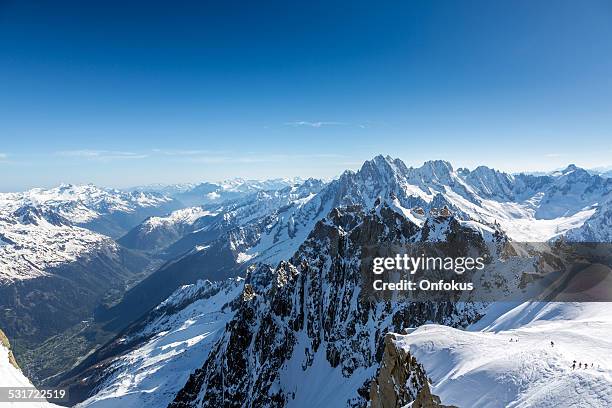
[119, 94]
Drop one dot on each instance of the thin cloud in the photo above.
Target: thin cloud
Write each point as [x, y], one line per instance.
[3, 156]
[553, 155]
[179, 152]
[320, 124]
[102, 155]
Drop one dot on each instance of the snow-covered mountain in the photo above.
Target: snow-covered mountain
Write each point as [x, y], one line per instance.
[250, 186]
[306, 333]
[260, 285]
[169, 190]
[108, 211]
[199, 225]
[527, 207]
[598, 228]
[55, 273]
[301, 330]
[157, 233]
[33, 240]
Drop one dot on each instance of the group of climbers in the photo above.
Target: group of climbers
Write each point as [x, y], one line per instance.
[582, 365]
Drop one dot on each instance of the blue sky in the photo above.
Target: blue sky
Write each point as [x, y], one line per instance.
[120, 95]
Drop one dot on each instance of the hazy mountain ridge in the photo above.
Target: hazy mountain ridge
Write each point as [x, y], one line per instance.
[195, 194]
[208, 222]
[107, 211]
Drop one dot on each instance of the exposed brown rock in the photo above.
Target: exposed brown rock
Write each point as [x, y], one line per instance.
[5, 342]
[401, 380]
[445, 212]
[425, 399]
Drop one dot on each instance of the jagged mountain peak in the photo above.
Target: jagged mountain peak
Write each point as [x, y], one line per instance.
[570, 168]
[311, 182]
[437, 172]
[488, 170]
[438, 166]
[384, 167]
[490, 182]
[574, 172]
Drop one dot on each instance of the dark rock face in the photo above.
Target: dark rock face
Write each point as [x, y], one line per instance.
[4, 342]
[312, 307]
[401, 380]
[425, 399]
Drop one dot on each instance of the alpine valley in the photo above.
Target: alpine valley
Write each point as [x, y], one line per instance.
[253, 293]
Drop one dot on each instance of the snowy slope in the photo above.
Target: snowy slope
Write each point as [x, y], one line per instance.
[31, 242]
[11, 376]
[598, 228]
[481, 368]
[183, 216]
[81, 203]
[179, 332]
[156, 233]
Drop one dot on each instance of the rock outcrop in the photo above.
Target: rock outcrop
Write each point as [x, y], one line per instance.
[401, 380]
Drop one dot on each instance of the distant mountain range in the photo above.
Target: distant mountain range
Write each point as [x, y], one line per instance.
[249, 293]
